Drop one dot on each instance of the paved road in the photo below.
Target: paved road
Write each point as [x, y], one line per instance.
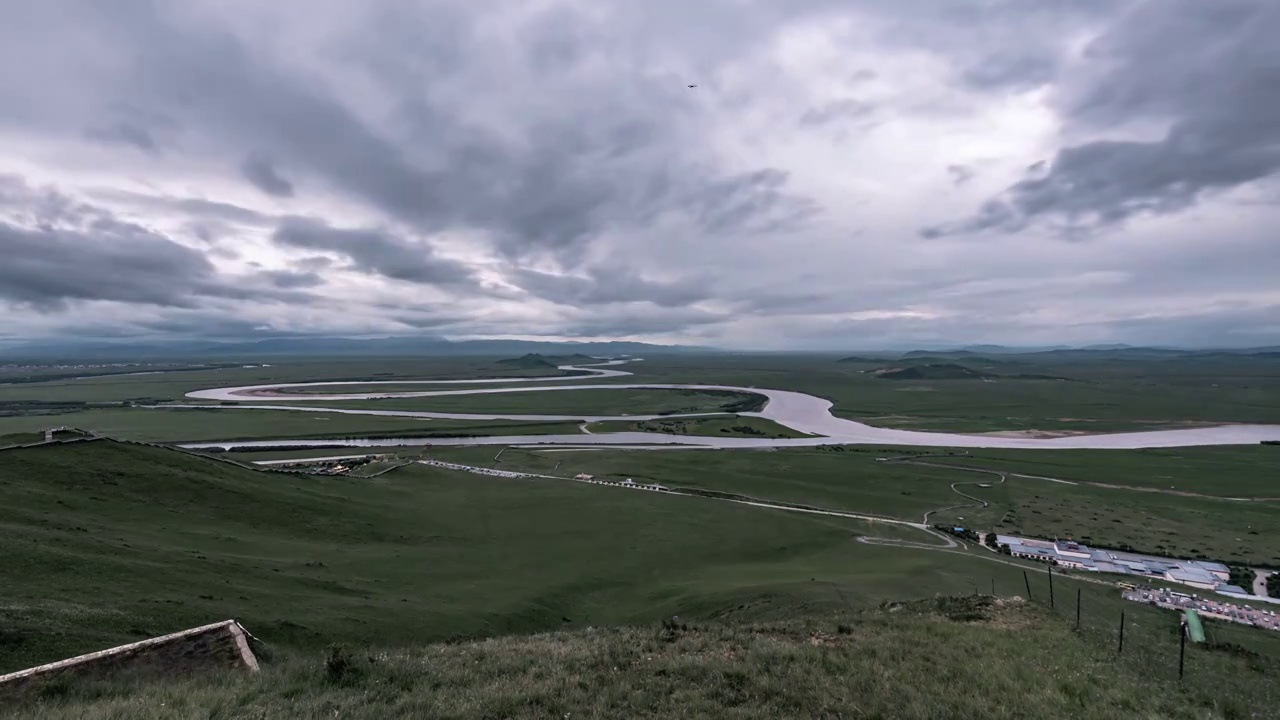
[1260, 582]
[797, 411]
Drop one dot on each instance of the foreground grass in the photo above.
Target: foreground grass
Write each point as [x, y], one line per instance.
[953, 657]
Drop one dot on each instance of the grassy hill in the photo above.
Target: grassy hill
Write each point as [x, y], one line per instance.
[542, 362]
[952, 657]
[932, 371]
[105, 543]
[952, 371]
[530, 361]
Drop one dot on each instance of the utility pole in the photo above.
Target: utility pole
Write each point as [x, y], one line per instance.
[1078, 609]
[1182, 651]
[1120, 651]
[1027, 582]
[1050, 587]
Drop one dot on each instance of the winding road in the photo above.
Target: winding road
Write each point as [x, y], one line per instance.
[797, 411]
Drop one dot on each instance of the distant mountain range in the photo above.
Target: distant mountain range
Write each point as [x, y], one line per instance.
[1093, 352]
[325, 347]
[951, 371]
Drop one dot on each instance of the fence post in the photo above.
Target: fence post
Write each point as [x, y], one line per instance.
[1051, 587]
[1182, 651]
[1078, 609]
[1027, 581]
[1120, 651]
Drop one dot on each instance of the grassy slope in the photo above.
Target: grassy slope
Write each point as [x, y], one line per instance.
[105, 543]
[952, 658]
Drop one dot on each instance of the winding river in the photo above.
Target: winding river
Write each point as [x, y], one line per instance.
[798, 411]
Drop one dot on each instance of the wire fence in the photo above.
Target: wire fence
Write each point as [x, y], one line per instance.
[1234, 671]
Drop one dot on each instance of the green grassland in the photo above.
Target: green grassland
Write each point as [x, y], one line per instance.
[852, 479]
[963, 657]
[167, 387]
[604, 401]
[1103, 395]
[1227, 531]
[1227, 471]
[195, 425]
[730, 426]
[106, 543]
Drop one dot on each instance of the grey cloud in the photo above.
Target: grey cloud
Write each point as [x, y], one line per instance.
[750, 202]
[124, 133]
[46, 268]
[313, 263]
[199, 208]
[836, 110]
[960, 174]
[604, 286]
[60, 249]
[1015, 71]
[44, 207]
[374, 251]
[640, 325]
[1222, 98]
[614, 154]
[262, 173]
[287, 279]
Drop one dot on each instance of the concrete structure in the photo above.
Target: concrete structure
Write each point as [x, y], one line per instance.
[1194, 577]
[1202, 574]
[220, 645]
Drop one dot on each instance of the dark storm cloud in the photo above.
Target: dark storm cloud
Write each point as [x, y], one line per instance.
[119, 262]
[604, 286]
[58, 249]
[614, 153]
[1210, 70]
[374, 251]
[262, 173]
[124, 133]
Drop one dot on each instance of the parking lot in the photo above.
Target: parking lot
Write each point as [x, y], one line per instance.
[1207, 607]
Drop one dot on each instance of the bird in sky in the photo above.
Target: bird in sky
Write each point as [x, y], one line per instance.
[693, 86]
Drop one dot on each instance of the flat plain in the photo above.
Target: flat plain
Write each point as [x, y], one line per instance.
[106, 542]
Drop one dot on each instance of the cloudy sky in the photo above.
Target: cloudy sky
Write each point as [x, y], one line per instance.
[846, 174]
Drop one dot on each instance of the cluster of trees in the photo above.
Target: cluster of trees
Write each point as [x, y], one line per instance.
[1273, 585]
[1242, 577]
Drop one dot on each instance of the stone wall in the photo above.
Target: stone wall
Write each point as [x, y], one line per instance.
[220, 646]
